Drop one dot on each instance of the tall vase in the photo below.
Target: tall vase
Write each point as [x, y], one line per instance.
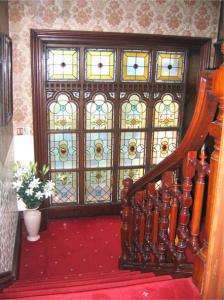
[32, 219]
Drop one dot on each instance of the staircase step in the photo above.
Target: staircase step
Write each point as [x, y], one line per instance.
[74, 282]
[83, 288]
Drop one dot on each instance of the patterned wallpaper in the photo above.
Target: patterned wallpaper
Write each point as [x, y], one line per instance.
[176, 17]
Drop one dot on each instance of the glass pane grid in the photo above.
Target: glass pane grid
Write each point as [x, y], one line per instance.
[133, 113]
[100, 64]
[62, 64]
[66, 184]
[62, 114]
[163, 144]
[135, 65]
[98, 186]
[169, 66]
[62, 153]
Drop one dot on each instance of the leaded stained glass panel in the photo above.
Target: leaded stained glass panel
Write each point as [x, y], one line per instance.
[166, 112]
[62, 114]
[62, 64]
[99, 113]
[135, 65]
[66, 184]
[133, 113]
[100, 64]
[98, 186]
[98, 149]
[62, 150]
[132, 148]
[169, 66]
[133, 174]
[163, 144]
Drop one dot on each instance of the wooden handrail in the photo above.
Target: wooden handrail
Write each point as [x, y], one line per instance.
[198, 129]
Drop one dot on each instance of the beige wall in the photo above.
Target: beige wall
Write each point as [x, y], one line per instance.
[181, 17]
[8, 213]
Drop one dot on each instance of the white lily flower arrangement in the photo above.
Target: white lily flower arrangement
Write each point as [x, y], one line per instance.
[31, 185]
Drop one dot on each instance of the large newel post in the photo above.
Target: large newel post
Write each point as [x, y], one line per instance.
[201, 271]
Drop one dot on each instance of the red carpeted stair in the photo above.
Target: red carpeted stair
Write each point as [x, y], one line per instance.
[77, 259]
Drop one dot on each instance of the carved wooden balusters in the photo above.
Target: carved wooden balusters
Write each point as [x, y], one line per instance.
[167, 182]
[125, 223]
[188, 171]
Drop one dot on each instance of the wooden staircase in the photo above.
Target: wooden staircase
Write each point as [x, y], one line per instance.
[164, 222]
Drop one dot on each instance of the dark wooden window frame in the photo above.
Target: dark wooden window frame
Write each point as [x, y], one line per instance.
[199, 55]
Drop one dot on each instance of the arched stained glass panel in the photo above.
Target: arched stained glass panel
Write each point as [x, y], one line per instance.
[133, 113]
[99, 113]
[166, 112]
[62, 114]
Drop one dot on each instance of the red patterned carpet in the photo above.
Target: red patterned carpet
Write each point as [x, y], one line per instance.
[72, 246]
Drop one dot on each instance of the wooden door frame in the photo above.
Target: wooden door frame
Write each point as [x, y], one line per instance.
[39, 38]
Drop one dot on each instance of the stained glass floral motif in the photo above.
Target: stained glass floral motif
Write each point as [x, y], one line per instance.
[132, 148]
[62, 150]
[98, 186]
[62, 114]
[100, 65]
[98, 149]
[66, 184]
[169, 66]
[62, 64]
[133, 113]
[134, 174]
[99, 113]
[164, 143]
[166, 112]
[135, 65]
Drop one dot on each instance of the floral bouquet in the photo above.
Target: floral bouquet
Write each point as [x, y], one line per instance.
[31, 188]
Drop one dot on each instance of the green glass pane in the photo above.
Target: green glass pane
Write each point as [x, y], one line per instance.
[169, 66]
[66, 184]
[164, 143]
[99, 113]
[100, 64]
[98, 186]
[62, 114]
[133, 113]
[62, 64]
[135, 65]
[132, 151]
[166, 112]
[133, 174]
[62, 150]
[98, 149]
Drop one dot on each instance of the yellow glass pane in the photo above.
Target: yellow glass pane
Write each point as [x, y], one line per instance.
[166, 112]
[135, 65]
[169, 66]
[62, 64]
[100, 65]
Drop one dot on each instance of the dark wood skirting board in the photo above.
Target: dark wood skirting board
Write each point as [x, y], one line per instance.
[8, 277]
[57, 212]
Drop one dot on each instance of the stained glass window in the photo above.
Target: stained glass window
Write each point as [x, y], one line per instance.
[163, 144]
[133, 113]
[62, 114]
[62, 64]
[169, 66]
[135, 65]
[166, 112]
[98, 149]
[99, 113]
[98, 186]
[132, 148]
[62, 150]
[100, 65]
[65, 187]
[134, 174]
